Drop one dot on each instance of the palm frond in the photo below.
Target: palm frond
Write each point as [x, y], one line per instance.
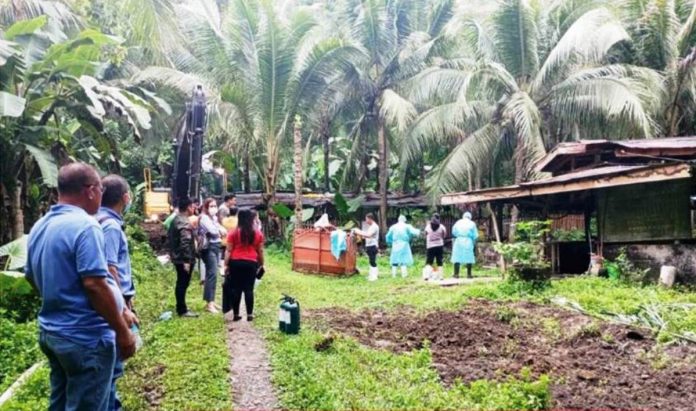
[616, 93]
[153, 27]
[586, 42]
[397, 111]
[176, 79]
[524, 115]
[516, 37]
[472, 153]
[686, 32]
[442, 125]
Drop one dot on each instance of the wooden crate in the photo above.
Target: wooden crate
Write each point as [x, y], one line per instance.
[311, 254]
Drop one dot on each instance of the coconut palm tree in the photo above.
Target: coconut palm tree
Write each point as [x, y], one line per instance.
[398, 40]
[664, 34]
[531, 77]
[52, 105]
[269, 62]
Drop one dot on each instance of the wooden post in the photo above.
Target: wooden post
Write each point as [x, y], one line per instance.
[496, 231]
[297, 140]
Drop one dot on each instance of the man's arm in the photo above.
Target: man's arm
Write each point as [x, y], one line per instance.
[102, 299]
[114, 273]
[92, 268]
[112, 243]
[186, 243]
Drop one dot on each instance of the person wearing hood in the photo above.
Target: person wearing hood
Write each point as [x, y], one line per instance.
[435, 234]
[465, 235]
[399, 237]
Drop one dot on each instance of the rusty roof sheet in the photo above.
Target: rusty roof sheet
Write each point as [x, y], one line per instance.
[673, 142]
[590, 179]
[371, 200]
[663, 145]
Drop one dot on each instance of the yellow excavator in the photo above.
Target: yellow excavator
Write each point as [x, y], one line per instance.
[187, 145]
[155, 202]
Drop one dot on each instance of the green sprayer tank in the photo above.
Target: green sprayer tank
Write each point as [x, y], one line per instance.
[289, 315]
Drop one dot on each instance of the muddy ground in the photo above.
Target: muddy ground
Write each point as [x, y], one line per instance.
[593, 364]
[157, 236]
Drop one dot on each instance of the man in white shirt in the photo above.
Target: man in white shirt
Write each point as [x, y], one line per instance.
[371, 235]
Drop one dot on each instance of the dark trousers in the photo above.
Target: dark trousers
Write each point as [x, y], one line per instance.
[372, 255]
[183, 279]
[434, 254]
[239, 279]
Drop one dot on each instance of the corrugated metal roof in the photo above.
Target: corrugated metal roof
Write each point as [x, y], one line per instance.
[673, 142]
[601, 177]
[664, 146]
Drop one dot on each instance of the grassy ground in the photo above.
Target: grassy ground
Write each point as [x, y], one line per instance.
[183, 365]
[352, 376]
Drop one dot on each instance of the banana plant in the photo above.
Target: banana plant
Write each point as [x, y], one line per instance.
[53, 104]
[15, 253]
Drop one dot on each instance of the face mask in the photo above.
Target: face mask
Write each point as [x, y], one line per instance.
[127, 207]
[213, 210]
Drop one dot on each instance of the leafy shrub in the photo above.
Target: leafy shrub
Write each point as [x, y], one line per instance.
[19, 348]
[136, 233]
[18, 301]
[525, 393]
[568, 235]
[526, 254]
[627, 270]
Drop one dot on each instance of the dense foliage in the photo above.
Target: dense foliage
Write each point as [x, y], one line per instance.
[426, 95]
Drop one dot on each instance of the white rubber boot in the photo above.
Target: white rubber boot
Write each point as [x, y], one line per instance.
[393, 271]
[427, 272]
[373, 274]
[404, 271]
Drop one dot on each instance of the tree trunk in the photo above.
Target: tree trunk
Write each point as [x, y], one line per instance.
[498, 238]
[519, 175]
[18, 222]
[246, 174]
[325, 135]
[5, 231]
[272, 158]
[297, 143]
[383, 176]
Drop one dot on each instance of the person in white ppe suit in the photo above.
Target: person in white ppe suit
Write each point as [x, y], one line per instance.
[465, 235]
[399, 237]
[371, 235]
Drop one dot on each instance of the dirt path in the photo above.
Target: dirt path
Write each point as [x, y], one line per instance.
[251, 370]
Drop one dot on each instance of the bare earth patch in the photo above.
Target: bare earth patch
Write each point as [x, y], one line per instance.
[593, 364]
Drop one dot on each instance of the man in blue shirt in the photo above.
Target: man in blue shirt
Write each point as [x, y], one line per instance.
[115, 202]
[81, 318]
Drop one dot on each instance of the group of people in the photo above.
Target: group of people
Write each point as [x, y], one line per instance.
[213, 235]
[400, 235]
[78, 262]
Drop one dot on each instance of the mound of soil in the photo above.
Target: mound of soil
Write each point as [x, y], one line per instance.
[593, 364]
[157, 236]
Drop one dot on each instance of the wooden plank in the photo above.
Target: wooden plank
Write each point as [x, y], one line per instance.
[657, 211]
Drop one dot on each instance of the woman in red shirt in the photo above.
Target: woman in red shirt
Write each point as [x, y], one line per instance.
[243, 261]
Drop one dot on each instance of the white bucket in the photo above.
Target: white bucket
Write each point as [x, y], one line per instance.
[668, 274]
